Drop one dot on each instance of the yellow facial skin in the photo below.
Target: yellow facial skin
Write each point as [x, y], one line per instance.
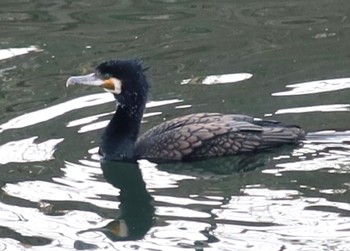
[111, 84]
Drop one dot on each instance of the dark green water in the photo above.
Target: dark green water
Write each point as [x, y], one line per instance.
[54, 193]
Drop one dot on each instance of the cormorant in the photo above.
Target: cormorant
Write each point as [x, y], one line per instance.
[188, 138]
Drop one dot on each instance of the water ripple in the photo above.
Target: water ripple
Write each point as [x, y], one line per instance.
[14, 52]
[48, 113]
[318, 86]
[296, 200]
[51, 112]
[290, 220]
[218, 79]
[26, 150]
[316, 108]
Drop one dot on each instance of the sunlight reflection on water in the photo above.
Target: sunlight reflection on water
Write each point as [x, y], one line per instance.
[26, 150]
[317, 108]
[218, 79]
[13, 52]
[46, 114]
[285, 216]
[298, 200]
[318, 86]
[260, 215]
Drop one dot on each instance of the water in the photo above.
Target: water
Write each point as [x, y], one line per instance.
[55, 194]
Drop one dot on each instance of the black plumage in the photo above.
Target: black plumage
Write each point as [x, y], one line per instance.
[187, 138]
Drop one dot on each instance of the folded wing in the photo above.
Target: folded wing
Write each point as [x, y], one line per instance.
[203, 135]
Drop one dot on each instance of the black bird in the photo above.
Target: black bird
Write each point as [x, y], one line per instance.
[188, 138]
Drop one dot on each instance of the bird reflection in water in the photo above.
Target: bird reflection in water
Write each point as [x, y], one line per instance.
[229, 164]
[136, 212]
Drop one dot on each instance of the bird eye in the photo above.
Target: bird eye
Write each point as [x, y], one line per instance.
[103, 75]
[106, 76]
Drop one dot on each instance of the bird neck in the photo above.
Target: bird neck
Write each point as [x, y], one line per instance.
[119, 137]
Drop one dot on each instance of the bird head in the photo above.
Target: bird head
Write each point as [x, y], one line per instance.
[123, 78]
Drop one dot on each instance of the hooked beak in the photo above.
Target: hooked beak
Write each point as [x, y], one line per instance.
[90, 79]
[111, 84]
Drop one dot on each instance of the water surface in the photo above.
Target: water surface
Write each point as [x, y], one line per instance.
[293, 62]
